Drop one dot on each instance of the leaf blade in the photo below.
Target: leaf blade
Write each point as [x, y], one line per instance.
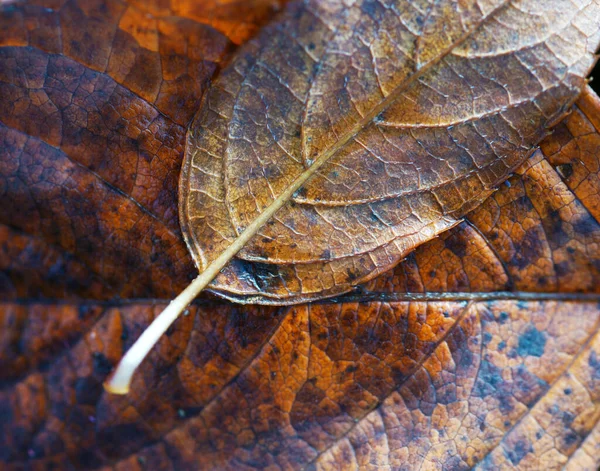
[337, 244]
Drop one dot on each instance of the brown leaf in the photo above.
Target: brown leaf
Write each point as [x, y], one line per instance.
[439, 384]
[94, 100]
[382, 126]
[394, 376]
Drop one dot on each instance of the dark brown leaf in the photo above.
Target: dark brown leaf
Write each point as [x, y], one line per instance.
[434, 384]
[94, 100]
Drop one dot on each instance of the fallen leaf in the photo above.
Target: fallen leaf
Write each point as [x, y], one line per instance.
[343, 137]
[480, 350]
[95, 97]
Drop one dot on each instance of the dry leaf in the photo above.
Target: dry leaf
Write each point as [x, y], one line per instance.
[391, 377]
[95, 98]
[388, 121]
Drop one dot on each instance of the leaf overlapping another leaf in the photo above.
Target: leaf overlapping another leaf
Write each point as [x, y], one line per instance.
[317, 386]
[95, 97]
[397, 127]
[254, 185]
[509, 383]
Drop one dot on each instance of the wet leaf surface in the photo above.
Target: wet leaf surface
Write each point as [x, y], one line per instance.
[481, 349]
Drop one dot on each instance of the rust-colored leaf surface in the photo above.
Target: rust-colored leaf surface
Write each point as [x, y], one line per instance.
[480, 350]
[400, 118]
[95, 97]
[380, 385]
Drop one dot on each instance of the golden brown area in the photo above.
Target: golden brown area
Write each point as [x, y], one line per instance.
[538, 232]
[409, 126]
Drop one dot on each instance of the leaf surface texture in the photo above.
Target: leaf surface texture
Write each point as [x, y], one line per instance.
[480, 349]
[414, 125]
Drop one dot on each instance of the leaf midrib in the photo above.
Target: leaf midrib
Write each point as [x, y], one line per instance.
[345, 298]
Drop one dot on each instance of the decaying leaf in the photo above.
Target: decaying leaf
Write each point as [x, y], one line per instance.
[387, 120]
[404, 385]
[95, 97]
[479, 350]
